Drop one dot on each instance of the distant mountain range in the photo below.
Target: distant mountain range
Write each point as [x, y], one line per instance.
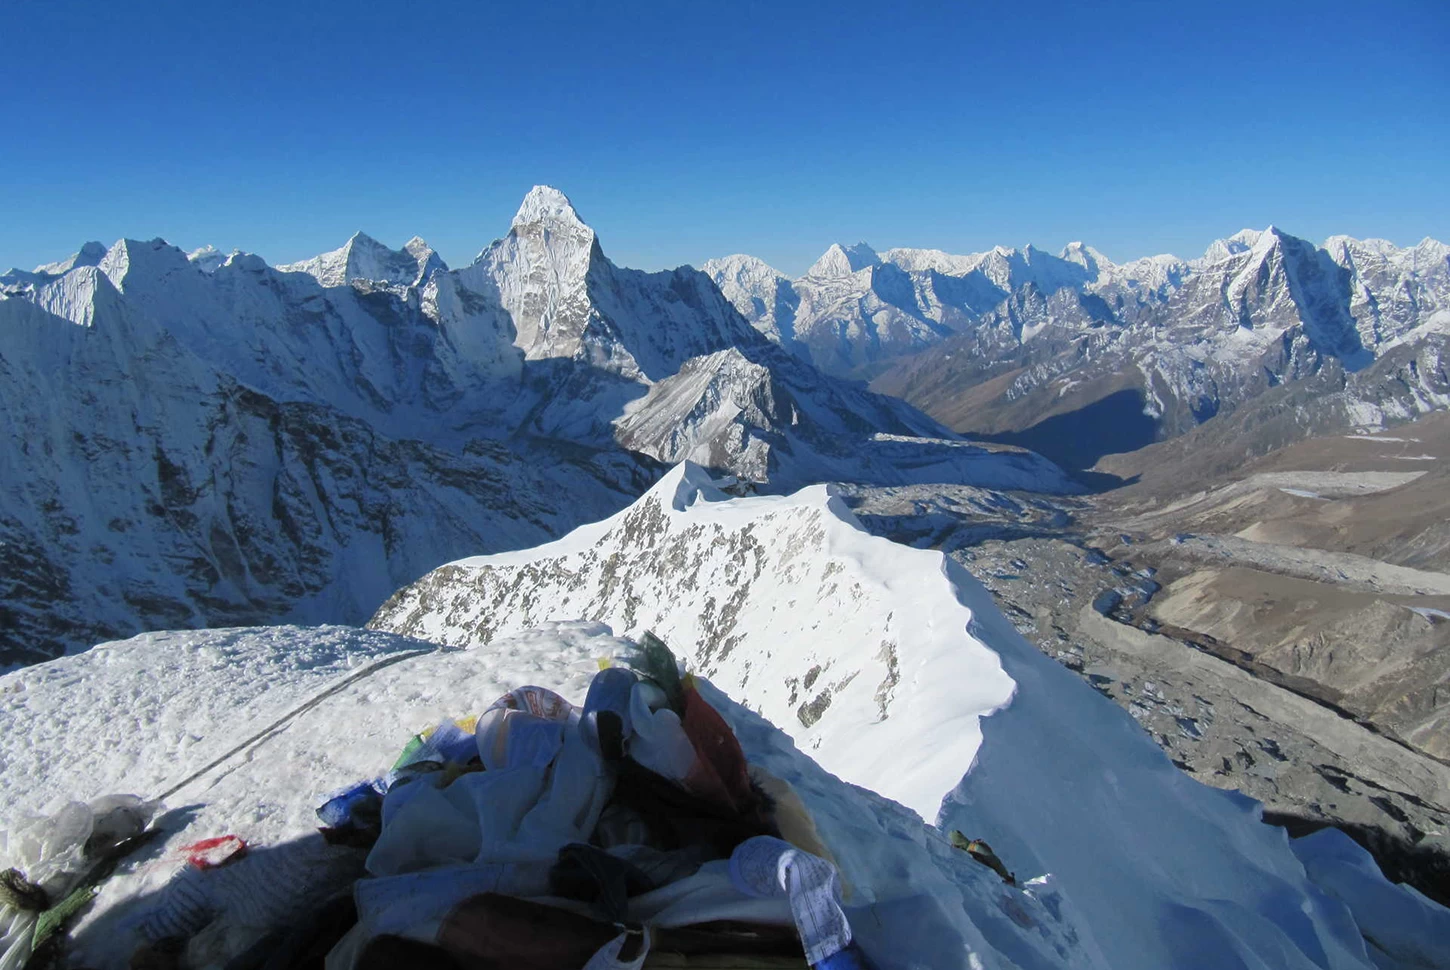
[1078, 356]
[202, 440]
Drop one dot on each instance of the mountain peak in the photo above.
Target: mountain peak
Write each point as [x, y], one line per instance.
[364, 258]
[154, 258]
[844, 260]
[740, 266]
[90, 254]
[207, 259]
[362, 239]
[1087, 257]
[1240, 242]
[1268, 239]
[546, 205]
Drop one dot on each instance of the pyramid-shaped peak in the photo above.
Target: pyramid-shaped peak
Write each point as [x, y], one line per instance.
[1268, 239]
[363, 240]
[844, 260]
[546, 205]
[151, 259]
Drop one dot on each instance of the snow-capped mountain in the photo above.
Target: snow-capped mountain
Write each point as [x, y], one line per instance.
[566, 300]
[208, 259]
[891, 667]
[197, 439]
[364, 258]
[1002, 341]
[762, 295]
[144, 486]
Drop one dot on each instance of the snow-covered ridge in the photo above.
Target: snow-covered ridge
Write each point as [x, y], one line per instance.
[724, 576]
[364, 258]
[857, 308]
[891, 667]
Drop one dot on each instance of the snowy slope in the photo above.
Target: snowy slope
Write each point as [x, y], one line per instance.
[736, 579]
[891, 667]
[190, 699]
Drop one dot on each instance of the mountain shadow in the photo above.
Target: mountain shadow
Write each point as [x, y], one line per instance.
[1077, 439]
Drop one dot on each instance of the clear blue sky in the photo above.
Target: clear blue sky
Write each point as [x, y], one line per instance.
[688, 130]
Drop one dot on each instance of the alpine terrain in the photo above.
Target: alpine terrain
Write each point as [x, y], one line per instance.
[193, 441]
[1080, 357]
[840, 652]
[1104, 565]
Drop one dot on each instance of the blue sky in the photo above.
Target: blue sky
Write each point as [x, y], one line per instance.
[689, 130]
